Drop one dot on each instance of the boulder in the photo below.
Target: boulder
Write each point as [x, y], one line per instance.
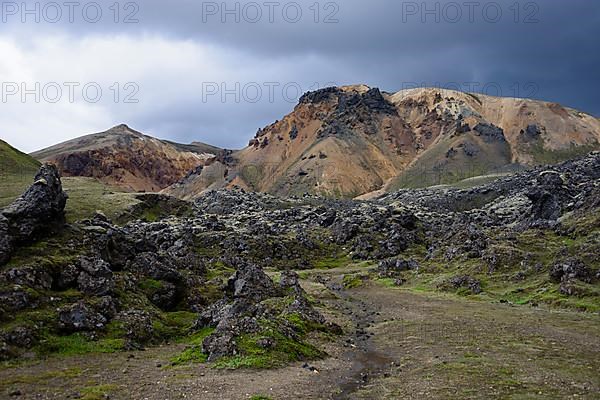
[490, 133]
[39, 209]
[251, 283]
[570, 270]
[466, 282]
[290, 281]
[16, 299]
[392, 267]
[80, 317]
[219, 345]
[137, 325]
[32, 277]
[96, 277]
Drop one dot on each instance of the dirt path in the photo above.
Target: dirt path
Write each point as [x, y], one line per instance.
[398, 345]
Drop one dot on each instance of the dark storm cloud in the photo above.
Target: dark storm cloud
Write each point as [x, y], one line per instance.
[542, 49]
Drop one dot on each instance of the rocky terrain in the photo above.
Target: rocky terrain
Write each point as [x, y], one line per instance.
[232, 275]
[127, 159]
[354, 140]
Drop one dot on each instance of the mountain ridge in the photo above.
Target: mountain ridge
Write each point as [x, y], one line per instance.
[348, 141]
[353, 140]
[126, 158]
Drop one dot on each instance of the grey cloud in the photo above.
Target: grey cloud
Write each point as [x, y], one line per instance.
[370, 44]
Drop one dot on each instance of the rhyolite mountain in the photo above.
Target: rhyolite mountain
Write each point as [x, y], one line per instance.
[128, 159]
[347, 142]
[354, 140]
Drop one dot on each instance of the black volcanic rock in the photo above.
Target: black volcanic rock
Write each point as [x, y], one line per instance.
[319, 96]
[490, 133]
[40, 208]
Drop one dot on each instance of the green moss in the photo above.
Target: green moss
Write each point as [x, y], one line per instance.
[99, 392]
[260, 397]
[238, 362]
[43, 377]
[150, 284]
[190, 355]
[353, 281]
[218, 270]
[193, 354]
[387, 282]
[77, 344]
[278, 304]
[284, 351]
[174, 325]
[520, 273]
[332, 262]
[49, 254]
[543, 156]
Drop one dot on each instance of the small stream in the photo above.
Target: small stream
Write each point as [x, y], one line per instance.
[367, 361]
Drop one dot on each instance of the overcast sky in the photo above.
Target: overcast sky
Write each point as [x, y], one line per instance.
[216, 72]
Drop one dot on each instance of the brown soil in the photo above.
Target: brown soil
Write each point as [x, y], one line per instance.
[398, 344]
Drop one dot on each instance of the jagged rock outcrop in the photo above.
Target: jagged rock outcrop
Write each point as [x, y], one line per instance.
[40, 208]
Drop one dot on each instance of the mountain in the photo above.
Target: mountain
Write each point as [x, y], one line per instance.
[354, 140]
[126, 158]
[12, 161]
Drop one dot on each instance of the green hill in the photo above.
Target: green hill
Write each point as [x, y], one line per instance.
[17, 170]
[12, 161]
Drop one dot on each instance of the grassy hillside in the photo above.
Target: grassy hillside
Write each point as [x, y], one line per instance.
[455, 160]
[12, 161]
[17, 170]
[86, 195]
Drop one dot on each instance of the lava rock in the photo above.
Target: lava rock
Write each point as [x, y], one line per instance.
[467, 282]
[80, 317]
[490, 132]
[250, 282]
[39, 209]
[570, 270]
[96, 277]
[28, 276]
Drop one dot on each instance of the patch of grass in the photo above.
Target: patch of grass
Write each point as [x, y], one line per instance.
[150, 284]
[284, 351]
[332, 262]
[387, 282]
[88, 195]
[260, 397]
[353, 281]
[219, 270]
[193, 354]
[99, 392]
[543, 156]
[43, 377]
[174, 325]
[77, 344]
